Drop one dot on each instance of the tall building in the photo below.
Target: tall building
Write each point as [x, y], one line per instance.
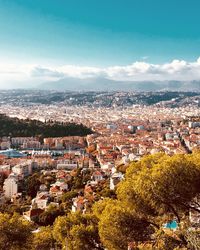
[10, 186]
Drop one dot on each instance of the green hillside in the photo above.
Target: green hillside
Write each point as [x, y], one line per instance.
[17, 127]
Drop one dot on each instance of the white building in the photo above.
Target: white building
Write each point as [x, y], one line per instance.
[33, 144]
[115, 179]
[19, 141]
[10, 186]
[23, 169]
[67, 164]
[41, 200]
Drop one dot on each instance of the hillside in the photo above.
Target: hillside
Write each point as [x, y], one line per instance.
[105, 84]
[16, 127]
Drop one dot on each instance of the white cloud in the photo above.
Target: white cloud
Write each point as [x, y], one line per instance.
[41, 72]
[178, 70]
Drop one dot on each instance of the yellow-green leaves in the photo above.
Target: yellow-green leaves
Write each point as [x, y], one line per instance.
[15, 232]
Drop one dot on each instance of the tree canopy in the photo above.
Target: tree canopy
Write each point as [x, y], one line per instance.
[161, 184]
[15, 232]
[43, 239]
[77, 231]
[155, 190]
[16, 127]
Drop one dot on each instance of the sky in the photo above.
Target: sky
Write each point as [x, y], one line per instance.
[45, 40]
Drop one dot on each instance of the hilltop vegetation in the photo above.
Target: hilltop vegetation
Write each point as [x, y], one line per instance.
[155, 190]
[16, 127]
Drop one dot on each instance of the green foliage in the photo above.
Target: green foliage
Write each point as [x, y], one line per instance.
[77, 231]
[157, 187]
[66, 199]
[48, 180]
[154, 191]
[68, 196]
[43, 240]
[106, 192]
[119, 226]
[16, 127]
[100, 206]
[79, 180]
[193, 239]
[48, 217]
[161, 184]
[32, 184]
[15, 233]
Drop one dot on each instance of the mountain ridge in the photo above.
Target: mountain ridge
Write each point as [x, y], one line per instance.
[105, 84]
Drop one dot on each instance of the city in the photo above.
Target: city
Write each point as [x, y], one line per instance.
[43, 178]
[99, 125]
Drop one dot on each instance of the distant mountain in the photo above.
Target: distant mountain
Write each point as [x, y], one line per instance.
[105, 84]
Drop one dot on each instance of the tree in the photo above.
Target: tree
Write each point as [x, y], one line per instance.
[48, 217]
[100, 206]
[33, 183]
[43, 239]
[77, 231]
[68, 196]
[16, 127]
[47, 180]
[161, 184]
[3, 176]
[119, 226]
[67, 200]
[193, 239]
[15, 232]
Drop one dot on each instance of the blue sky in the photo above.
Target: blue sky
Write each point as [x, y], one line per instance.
[98, 33]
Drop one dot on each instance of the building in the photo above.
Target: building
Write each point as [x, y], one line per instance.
[22, 169]
[26, 142]
[11, 153]
[5, 145]
[115, 179]
[10, 186]
[41, 201]
[97, 176]
[67, 165]
[32, 144]
[78, 204]
[194, 124]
